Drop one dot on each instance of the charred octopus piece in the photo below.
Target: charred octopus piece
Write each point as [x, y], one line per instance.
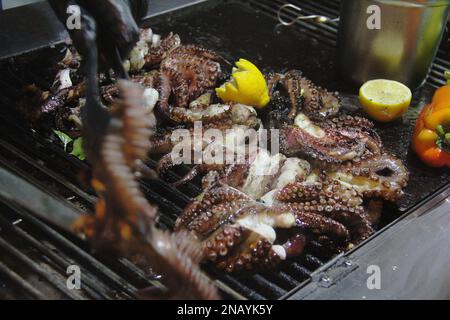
[150, 50]
[329, 209]
[160, 50]
[332, 142]
[186, 74]
[240, 215]
[350, 151]
[229, 122]
[316, 102]
[111, 92]
[237, 232]
[319, 204]
[382, 176]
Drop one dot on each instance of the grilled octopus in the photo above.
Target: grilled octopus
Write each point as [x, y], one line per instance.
[251, 215]
[186, 72]
[115, 141]
[245, 209]
[242, 215]
[180, 73]
[316, 102]
[227, 121]
[346, 147]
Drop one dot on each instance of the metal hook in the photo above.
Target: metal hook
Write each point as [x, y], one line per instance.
[315, 17]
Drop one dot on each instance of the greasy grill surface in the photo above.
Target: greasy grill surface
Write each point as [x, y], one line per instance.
[234, 30]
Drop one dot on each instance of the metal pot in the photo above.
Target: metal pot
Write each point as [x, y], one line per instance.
[402, 49]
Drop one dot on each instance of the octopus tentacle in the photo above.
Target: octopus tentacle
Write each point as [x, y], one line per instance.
[316, 102]
[320, 224]
[216, 215]
[159, 51]
[123, 215]
[273, 79]
[330, 143]
[215, 195]
[257, 253]
[384, 176]
[189, 72]
[182, 254]
[293, 86]
[111, 92]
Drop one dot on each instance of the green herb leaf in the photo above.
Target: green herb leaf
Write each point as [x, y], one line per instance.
[447, 76]
[77, 150]
[65, 139]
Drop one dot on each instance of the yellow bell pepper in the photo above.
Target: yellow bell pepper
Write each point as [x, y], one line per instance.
[247, 86]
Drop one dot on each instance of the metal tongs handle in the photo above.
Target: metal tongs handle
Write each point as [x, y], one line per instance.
[316, 18]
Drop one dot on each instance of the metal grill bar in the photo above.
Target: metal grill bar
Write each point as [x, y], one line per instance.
[17, 279]
[39, 270]
[61, 258]
[166, 205]
[300, 271]
[62, 261]
[44, 175]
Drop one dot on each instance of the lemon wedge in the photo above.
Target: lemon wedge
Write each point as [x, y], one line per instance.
[385, 100]
[247, 86]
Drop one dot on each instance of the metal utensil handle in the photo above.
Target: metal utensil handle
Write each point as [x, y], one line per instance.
[315, 17]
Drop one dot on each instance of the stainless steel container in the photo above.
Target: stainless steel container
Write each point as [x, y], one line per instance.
[402, 49]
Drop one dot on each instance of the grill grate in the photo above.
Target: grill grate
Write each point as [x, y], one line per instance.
[47, 254]
[43, 163]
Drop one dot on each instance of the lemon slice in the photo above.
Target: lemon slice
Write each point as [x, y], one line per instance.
[384, 100]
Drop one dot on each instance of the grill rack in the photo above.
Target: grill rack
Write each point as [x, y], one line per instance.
[43, 163]
[21, 147]
[28, 154]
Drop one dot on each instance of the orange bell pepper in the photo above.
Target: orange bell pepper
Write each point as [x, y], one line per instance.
[431, 139]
